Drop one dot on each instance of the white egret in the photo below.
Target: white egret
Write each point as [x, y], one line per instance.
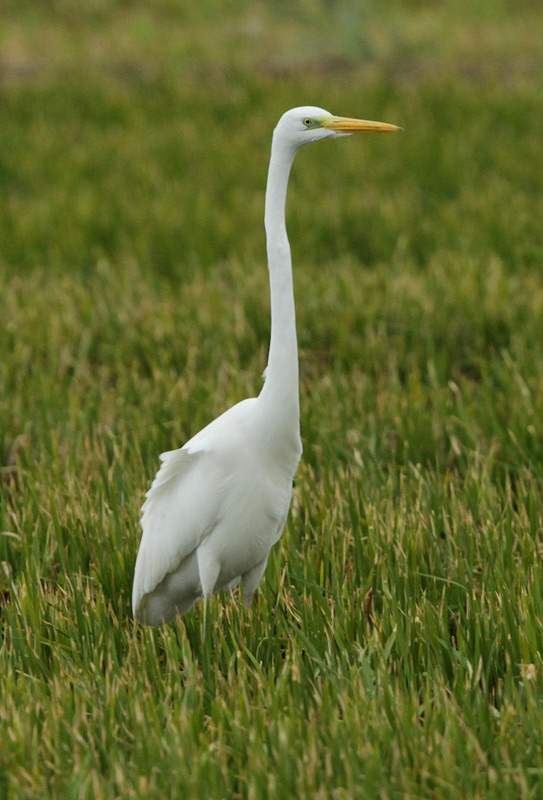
[219, 503]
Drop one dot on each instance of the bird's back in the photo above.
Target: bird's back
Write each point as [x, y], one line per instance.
[223, 496]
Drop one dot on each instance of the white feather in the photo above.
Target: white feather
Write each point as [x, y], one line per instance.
[214, 495]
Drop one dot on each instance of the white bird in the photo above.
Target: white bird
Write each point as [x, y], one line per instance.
[219, 503]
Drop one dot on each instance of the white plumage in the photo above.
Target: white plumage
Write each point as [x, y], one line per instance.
[218, 505]
[212, 514]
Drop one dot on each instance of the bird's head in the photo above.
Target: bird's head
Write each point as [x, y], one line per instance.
[306, 124]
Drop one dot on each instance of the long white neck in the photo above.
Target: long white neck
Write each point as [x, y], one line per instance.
[280, 391]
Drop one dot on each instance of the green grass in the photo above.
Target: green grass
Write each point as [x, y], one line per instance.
[395, 648]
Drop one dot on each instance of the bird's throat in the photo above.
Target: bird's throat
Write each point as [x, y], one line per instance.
[280, 391]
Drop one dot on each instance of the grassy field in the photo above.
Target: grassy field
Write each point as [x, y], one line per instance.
[395, 647]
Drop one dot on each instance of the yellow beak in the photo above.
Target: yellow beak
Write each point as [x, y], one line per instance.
[347, 125]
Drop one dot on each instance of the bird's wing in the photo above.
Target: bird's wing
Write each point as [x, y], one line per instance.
[180, 510]
[185, 501]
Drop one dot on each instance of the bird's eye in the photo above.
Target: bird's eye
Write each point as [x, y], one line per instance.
[308, 122]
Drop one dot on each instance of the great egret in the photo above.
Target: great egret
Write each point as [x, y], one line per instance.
[219, 503]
